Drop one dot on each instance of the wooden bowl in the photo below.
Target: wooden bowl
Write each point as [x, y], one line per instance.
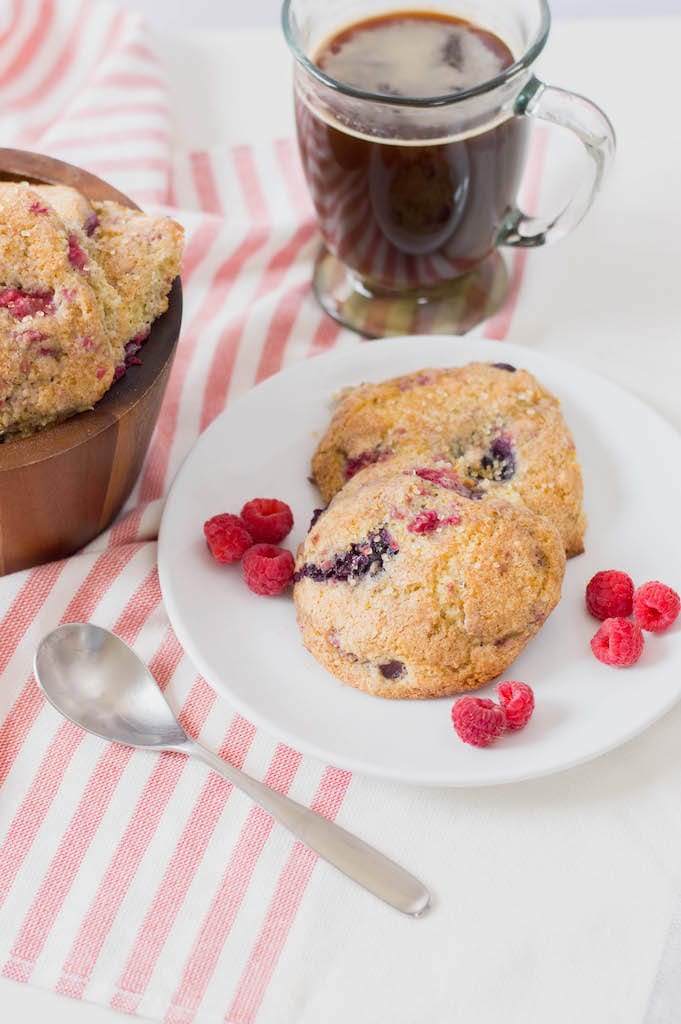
[64, 485]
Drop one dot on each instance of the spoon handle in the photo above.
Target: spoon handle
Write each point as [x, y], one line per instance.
[355, 858]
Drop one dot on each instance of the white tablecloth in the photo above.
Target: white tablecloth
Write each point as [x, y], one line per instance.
[558, 892]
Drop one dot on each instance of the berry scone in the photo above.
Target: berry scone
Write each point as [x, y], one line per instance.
[497, 426]
[410, 585]
[140, 256]
[56, 356]
[80, 286]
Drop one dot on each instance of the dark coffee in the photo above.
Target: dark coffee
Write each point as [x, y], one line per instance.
[408, 214]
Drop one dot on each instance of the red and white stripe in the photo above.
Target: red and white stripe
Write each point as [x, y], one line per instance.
[127, 879]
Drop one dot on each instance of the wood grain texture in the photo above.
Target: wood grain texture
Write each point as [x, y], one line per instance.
[64, 485]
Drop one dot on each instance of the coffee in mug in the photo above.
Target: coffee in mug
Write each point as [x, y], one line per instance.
[413, 128]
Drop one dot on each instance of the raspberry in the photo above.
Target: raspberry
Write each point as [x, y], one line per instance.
[656, 606]
[91, 224]
[77, 258]
[610, 594]
[478, 721]
[427, 521]
[268, 570]
[369, 458]
[21, 304]
[227, 538]
[448, 478]
[33, 337]
[267, 520]
[618, 642]
[517, 700]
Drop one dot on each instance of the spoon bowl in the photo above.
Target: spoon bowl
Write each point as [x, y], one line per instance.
[96, 681]
[89, 675]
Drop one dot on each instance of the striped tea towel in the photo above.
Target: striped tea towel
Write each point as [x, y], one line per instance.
[135, 881]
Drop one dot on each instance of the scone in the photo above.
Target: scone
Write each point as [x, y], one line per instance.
[80, 286]
[140, 257]
[497, 426]
[56, 356]
[411, 584]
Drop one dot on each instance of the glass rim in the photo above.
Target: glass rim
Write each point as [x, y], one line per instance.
[523, 63]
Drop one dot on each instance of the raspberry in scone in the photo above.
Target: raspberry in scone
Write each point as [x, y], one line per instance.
[411, 585]
[499, 428]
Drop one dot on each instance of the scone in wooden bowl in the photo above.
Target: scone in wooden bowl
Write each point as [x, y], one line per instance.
[64, 485]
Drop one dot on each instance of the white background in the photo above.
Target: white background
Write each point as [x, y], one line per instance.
[172, 14]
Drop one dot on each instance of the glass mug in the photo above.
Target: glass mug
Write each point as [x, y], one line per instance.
[414, 196]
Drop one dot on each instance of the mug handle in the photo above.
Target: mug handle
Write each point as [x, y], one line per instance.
[592, 127]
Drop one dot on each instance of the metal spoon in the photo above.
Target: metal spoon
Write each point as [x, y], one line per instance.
[94, 679]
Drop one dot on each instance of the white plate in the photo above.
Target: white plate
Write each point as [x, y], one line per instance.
[249, 647]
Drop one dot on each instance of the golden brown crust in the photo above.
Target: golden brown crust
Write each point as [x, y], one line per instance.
[453, 605]
[458, 414]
